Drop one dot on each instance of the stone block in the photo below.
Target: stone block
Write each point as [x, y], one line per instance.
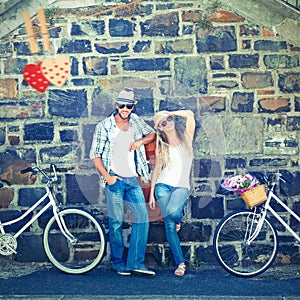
[29, 196]
[31, 249]
[54, 32]
[242, 102]
[144, 64]
[254, 80]
[89, 28]
[235, 163]
[157, 233]
[292, 185]
[95, 65]
[243, 61]
[206, 168]
[6, 197]
[268, 45]
[289, 82]
[13, 140]
[293, 123]
[212, 103]
[206, 207]
[205, 255]
[216, 39]
[74, 66]
[68, 135]
[8, 88]
[195, 232]
[112, 48]
[145, 98]
[142, 46]
[68, 103]
[241, 137]
[102, 103]
[297, 103]
[15, 65]
[274, 105]
[121, 28]
[43, 131]
[11, 172]
[2, 135]
[224, 16]
[181, 46]
[249, 30]
[190, 75]
[281, 144]
[75, 46]
[274, 162]
[225, 84]
[162, 25]
[8, 215]
[65, 154]
[217, 62]
[82, 189]
[22, 110]
[279, 61]
[5, 49]
[83, 82]
[246, 44]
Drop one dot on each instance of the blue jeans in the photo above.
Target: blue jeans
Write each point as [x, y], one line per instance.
[171, 201]
[129, 192]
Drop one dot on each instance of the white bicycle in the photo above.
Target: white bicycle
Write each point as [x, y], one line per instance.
[246, 242]
[74, 239]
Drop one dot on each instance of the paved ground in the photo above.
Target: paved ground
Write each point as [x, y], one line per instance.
[42, 281]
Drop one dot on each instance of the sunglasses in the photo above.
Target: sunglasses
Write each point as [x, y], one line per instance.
[164, 123]
[128, 106]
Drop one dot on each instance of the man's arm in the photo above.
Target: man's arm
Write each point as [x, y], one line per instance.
[150, 137]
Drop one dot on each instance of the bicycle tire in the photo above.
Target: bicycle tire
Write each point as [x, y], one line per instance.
[234, 254]
[84, 254]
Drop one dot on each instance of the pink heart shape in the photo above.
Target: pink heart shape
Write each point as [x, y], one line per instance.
[33, 75]
[56, 70]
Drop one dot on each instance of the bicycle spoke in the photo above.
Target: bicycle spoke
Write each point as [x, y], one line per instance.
[239, 250]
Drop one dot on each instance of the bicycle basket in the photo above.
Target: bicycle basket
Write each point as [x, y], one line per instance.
[255, 196]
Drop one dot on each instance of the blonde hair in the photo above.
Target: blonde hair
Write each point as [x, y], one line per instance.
[163, 145]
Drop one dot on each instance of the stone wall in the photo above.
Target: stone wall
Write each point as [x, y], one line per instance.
[240, 79]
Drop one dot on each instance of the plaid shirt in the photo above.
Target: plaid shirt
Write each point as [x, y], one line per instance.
[103, 143]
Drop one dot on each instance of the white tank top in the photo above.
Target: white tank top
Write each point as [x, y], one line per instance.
[177, 173]
[122, 159]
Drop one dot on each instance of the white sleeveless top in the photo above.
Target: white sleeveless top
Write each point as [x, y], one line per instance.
[177, 173]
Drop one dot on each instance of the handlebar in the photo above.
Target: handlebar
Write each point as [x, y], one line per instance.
[36, 169]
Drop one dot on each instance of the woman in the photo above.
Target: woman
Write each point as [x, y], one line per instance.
[170, 178]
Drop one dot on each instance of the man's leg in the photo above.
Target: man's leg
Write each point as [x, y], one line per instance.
[140, 227]
[115, 206]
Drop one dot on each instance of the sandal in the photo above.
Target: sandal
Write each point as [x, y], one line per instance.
[178, 226]
[180, 270]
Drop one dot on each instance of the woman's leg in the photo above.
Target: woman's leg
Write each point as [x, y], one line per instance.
[172, 201]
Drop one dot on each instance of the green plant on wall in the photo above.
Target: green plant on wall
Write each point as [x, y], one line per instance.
[195, 262]
[50, 12]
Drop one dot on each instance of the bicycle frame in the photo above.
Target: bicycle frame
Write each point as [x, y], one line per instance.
[267, 207]
[52, 203]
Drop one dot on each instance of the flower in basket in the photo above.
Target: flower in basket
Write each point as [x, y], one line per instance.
[240, 183]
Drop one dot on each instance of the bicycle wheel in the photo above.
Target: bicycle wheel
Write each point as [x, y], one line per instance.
[234, 249]
[84, 251]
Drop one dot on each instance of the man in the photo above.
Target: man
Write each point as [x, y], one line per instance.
[118, 154]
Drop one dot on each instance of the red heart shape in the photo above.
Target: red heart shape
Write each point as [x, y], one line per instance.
[33, 75]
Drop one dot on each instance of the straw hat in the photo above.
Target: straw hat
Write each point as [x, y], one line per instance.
[126, 97]
[159, 116]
